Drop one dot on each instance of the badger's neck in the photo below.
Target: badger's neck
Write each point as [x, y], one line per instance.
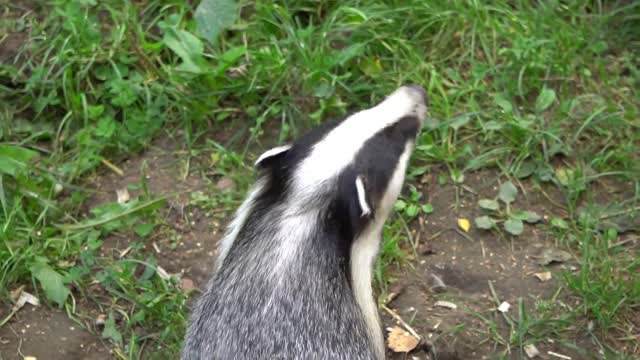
[363, 255]
[364, 251]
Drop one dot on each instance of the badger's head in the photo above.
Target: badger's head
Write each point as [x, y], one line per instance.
[351, 169]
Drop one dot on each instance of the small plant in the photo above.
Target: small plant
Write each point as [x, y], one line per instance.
[410, 205]
[513, 220]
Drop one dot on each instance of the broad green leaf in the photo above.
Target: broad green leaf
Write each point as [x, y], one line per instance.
[427, 208]
[400, 205]
[503, 103]
[94, 111]
[213, 16]
[457, 176]
[123, 92]
[412, 210]
[492, 125]
[111, 330]
[229, 58]
[51, 282]
[372, 67]
[188, 47]
[514, 226]
[559, 223]
[106, 127]
[507, 192]
[526, 169]
[348, 53]
[144, 229]
[545, 99]
[489, 204]
[460, 121]
[599, 46]
[14, 159]
[323, 90]
[528, 216]
[484, 222]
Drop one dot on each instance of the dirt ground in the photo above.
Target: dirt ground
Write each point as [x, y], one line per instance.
[465, 263]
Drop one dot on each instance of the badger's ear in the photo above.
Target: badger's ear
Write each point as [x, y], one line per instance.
[271, 155]
[364, 206]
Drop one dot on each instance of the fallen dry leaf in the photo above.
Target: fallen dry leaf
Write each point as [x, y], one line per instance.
[446, 304]
[543, 276]
[123, 195]
[186, 284]
[162, 273]
[236, 72]
[394, 291]
[15, 293]
[464, 224]
[25, 298]
[401, 341]
[551, 255]
[101, 319]
[504, 307]
[225, 184]
[531, 350]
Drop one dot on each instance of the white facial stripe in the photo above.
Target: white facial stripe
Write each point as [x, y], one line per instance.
[272, 152]
[362, 200]
[365, 249]
[339, 147]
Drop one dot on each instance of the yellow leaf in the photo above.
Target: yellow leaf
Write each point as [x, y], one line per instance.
[464, 224]
[401, 341]
[564, 175]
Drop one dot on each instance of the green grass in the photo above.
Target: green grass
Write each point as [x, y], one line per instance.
[548, 92]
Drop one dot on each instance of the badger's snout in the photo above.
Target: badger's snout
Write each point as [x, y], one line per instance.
[417, 93]
[411, 100]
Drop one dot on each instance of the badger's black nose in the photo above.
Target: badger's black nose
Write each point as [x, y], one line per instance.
[421, 91]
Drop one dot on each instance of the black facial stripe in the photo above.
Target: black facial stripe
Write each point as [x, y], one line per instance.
[404, 129]
[379, 156]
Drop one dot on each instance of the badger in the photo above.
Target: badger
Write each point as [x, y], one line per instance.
[293, 274]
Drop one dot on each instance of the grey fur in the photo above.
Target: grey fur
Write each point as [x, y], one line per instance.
[277, 292]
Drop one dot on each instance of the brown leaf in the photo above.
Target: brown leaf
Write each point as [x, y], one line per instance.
[101, 319]
[532, 351]
[551, 255]
[123, 195]
[446, 304]
[23, 298]
[15, 293]
[186, 284]
[225, 184]
[401, 341]
[543, 276]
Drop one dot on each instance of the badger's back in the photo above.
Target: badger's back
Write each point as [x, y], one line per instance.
[304, 311]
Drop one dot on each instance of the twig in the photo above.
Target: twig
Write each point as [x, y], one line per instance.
[618, 213]
[463, 234]
[559, 355]
[623, 242]
[402, 322]
[113, 167]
